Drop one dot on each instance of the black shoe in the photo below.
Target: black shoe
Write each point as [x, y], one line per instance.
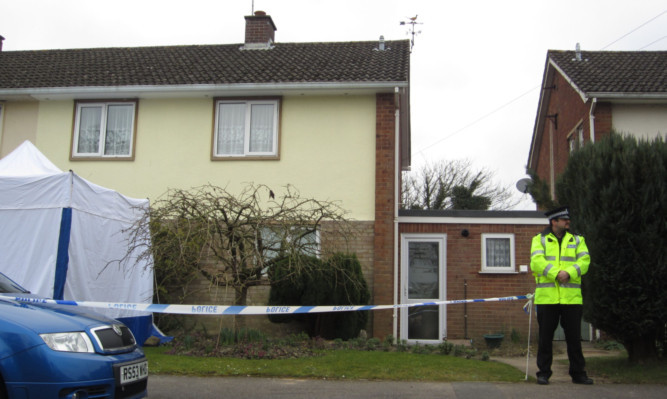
[541, 380]
[583, 380]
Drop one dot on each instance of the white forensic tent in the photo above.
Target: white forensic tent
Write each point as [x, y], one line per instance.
[60, 235]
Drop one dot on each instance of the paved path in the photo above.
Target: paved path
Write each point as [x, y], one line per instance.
[560, 369]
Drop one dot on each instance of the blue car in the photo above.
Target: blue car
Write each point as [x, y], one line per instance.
[59, 351]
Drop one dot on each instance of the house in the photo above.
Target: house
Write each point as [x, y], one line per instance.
[587, 94]
[331, 119]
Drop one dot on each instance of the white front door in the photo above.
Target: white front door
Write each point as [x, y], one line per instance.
[423, 266]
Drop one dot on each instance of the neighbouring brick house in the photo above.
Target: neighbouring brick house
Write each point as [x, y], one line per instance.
[587, 94]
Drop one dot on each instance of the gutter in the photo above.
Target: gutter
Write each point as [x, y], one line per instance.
[197, 90]
[537, 220]
[627, 96]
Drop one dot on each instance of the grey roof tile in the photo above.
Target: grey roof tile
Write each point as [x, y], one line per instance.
[615, 71]
[205, 64]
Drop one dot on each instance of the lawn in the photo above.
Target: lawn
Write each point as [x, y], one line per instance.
[396, 366]
[340, 364]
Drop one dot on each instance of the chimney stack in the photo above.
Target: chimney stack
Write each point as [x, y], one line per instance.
[2, 39]
[259, 28]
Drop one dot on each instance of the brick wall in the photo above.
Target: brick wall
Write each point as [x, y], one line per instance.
[383, 268]
[259, 28]
[360, 242]
[572, 111]
[203, 292]
[602, 120]
[464, 280]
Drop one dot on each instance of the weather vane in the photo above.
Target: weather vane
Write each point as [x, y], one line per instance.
[412, 21]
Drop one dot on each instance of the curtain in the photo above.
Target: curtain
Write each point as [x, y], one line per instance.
[119, 129]
[231, 129]
[89, 130]
[261, 128]
[498, 252]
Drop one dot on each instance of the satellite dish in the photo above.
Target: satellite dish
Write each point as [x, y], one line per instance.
[522, 185]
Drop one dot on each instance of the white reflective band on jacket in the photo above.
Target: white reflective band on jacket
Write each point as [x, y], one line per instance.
[548, 258]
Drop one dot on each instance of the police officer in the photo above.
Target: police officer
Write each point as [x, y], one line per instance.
[558, 260]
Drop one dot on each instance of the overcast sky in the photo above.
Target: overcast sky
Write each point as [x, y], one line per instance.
[476, 66]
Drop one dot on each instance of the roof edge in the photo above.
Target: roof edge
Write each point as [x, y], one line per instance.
[627, 96]
[582, 94]
[472, 217]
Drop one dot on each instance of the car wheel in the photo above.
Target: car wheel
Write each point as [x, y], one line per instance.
[3, 392]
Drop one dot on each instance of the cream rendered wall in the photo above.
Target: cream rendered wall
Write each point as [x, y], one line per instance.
[327, 150]
[19, 123]
[643, 121]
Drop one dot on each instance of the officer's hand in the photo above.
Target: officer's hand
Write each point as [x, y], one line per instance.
[563, 276]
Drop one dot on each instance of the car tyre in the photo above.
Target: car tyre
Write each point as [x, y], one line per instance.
[3, 392]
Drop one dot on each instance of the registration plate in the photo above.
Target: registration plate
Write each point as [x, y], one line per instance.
[132, 372]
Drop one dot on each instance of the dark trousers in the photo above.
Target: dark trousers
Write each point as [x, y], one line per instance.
[569, 316]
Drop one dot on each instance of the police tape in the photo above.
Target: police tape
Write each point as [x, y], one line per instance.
[246, 310]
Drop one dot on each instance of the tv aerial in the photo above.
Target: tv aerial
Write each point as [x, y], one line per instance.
[412, 22]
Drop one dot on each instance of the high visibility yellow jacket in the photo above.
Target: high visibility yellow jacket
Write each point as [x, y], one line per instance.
[547, 258]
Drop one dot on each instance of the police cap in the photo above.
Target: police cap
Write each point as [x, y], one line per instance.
[562, 212]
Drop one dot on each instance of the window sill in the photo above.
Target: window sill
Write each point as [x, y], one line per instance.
[246, 158]
[498, 272]
[101, 158]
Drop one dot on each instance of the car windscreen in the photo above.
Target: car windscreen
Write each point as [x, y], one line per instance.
[7, 286]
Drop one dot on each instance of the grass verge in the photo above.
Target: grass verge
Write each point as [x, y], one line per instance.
[618, 370]
[340, 364]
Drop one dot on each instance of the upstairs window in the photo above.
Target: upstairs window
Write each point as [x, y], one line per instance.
[576, 139]
[104, 130]
[246, 128]
[498, 253]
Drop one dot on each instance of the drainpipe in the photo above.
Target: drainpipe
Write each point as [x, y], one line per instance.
[552, 172]
[465, 309]
[397, 202]
[591, 118]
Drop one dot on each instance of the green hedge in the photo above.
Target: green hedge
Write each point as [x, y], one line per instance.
[336, 281]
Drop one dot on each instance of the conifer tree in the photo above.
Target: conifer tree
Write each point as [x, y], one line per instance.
[617, 193]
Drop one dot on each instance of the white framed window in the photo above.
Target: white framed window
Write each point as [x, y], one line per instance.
[246, 128]
[498, 253]
[1, 123]
[304, 241]
[104, 130]
[575, 140]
